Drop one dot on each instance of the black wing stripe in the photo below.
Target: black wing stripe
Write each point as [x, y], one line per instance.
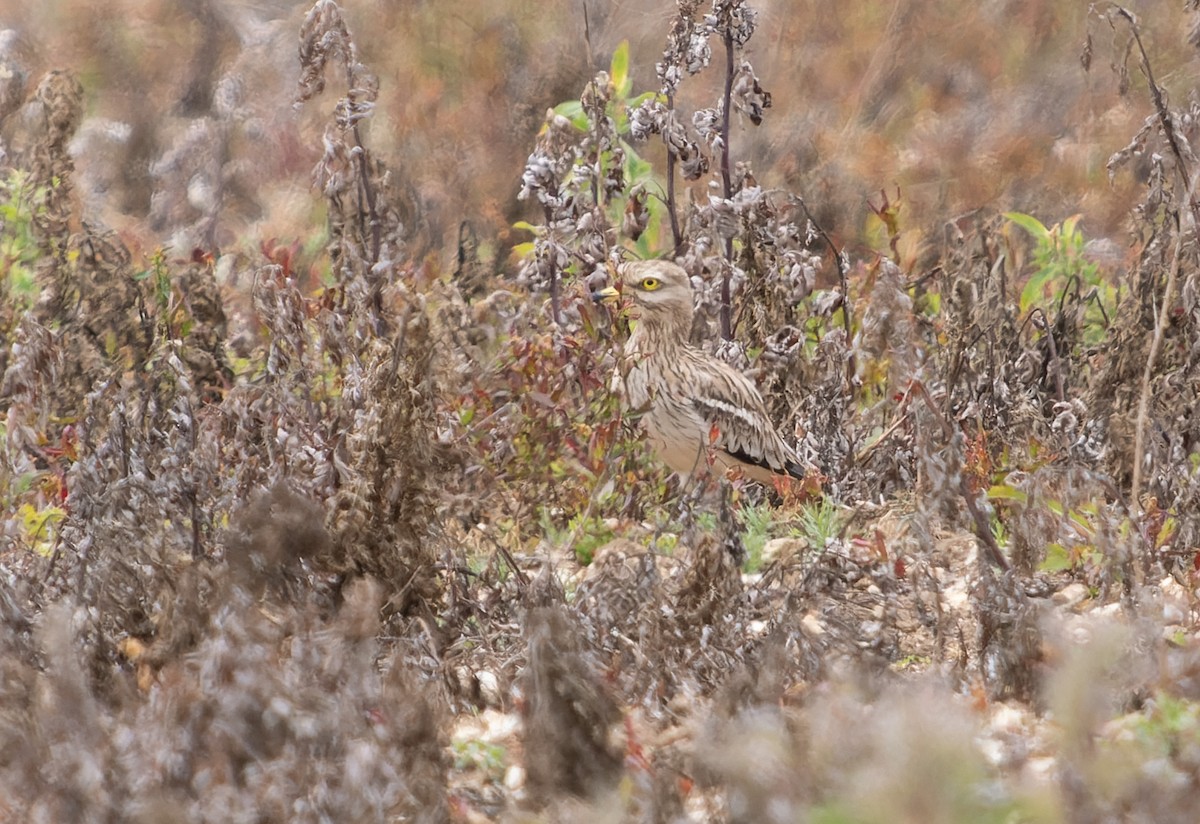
[795, 470]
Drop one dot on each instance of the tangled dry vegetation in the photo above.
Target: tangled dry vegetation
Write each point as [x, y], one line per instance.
[377, 543]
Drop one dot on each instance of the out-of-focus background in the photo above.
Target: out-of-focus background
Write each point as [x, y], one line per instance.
[961, 106]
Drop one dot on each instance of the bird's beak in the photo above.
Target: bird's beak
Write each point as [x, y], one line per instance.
[606, 295]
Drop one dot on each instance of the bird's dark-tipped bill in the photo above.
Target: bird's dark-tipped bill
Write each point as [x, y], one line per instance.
[606, 295]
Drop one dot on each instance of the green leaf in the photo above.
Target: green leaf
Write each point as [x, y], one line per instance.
[618, 70]
[573, 110]
[1170, 525]
[40, 525]
[522, 250]
[634, 102]
[1035, 289]
[24, 482]
[1069, 232]
[1081, 523]
[1004, 492]
[1058, 559]
[1029, 223]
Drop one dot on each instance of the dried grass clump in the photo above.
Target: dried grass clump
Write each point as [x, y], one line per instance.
[569, 712]
[153, 451]
[686, 611]
[266, 705]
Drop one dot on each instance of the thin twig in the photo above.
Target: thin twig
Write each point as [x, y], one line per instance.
[843, 281]
[1059, 389]
[726, 177]
[1164, 312]
[587, 38]
[368, 195]
[982, 529]
[1164, 115]
[554, 298]
[522, 581]
[727, 183]
[671, 161]
[190, 490]
[883, 436]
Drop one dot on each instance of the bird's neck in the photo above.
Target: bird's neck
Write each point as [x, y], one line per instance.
[659, 335]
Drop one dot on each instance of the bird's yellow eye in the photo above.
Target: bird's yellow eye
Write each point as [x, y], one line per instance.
[650, 284]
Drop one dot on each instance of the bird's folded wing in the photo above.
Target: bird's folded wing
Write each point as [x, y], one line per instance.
[737, 419]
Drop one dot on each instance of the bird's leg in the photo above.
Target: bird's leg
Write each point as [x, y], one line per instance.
[701, 492]
[729, 526]
[691, 489]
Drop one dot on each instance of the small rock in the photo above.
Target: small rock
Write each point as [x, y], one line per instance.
[993, 751]
[1070, 595]
[489, 687]
[783, 549]
[1041, 769]
[956, 596]
[812, 624]
[498, 726]
[1008, 718]
[1172, 588]
[514, 777]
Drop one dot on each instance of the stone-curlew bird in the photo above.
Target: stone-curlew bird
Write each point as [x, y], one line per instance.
[696, 409]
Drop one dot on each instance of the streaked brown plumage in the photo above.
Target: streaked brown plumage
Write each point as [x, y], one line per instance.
[693, 404]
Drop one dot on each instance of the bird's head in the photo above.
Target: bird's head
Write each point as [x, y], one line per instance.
[656, 291]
